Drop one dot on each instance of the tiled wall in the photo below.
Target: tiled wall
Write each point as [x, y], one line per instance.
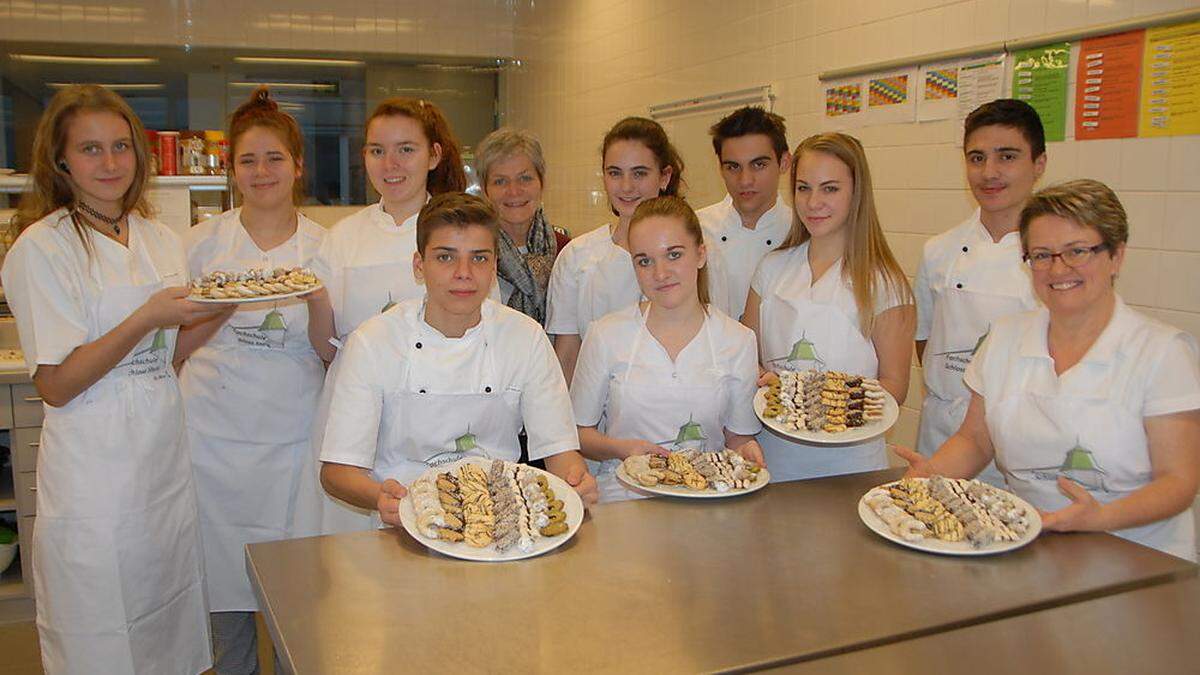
[586, 64]
[444, 27]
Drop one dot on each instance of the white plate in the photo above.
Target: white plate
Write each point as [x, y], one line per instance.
[572, 505]
[764, 477]
[935, 545]
[257, 298]
[891, 413]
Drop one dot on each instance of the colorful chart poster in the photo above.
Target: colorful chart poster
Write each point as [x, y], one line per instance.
[1040, 79]
[1170, 103]
[979, 81]
[891, 97]
[1107, 84]
[845, 104]
[937, 91]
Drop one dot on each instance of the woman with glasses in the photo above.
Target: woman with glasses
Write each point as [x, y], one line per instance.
[1090, 409]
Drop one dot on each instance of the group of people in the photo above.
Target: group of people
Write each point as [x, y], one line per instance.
[450, 325]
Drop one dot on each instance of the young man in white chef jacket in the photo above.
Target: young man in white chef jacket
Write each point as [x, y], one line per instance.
[752, 148]
[973, 274]
[446, 376]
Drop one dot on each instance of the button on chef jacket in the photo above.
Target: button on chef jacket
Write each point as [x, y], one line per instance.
[824, 314]
[397, 357]
[365, 263]
[965, 283]
[1088, 423]
[593, 276]
[743, 248]
[117, 568]
[625, 384]
[250, 393]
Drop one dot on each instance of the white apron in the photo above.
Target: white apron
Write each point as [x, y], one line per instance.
[420, 430]
[607, 284]
[1049, 428]
[961, 319]
[368, 290]
[250, 392]
[667, 412]
[117, 568]
[795, 321]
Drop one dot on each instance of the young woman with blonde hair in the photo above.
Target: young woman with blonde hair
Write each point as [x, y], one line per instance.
[99, 291]
[835, 285]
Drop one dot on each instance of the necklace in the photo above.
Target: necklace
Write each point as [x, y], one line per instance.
[113, 222]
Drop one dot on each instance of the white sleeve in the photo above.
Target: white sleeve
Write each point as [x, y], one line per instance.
[764, 272]
[47, 299]
[887, 296]
[545, 403]
[717, 270]
[1174, 385]
[589, 387]
[739, 411]
[562, 296]
[355, 408]
[924, 295]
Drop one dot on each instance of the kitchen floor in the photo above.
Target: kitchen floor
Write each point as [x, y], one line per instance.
[19, 653]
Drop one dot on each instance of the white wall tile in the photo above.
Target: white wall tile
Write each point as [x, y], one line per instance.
[1065, 14]
[1100, 160]
[1181, 224]
[1184, 172]
[1026, 17]
[1138, 282]
[1179, 282]
[1142, 163]
[1146, 213]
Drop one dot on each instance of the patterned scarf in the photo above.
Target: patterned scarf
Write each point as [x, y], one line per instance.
[529, 273]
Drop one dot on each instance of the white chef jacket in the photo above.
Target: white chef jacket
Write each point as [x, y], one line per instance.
[362, 240]
[965, 283]
[376, 370]
[741, 247]
[1088, 423]
[593, 276]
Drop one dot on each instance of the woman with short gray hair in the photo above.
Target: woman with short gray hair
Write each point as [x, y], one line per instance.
[512, 172]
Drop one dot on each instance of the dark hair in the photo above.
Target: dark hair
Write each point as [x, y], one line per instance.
[448, 175]
[677, 207]
[260, 110]
[51, 185]
[455, 209]
[747, 121]
[1009, 112]
[650, 134]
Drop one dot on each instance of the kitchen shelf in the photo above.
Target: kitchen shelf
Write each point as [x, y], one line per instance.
[18, 182]
[8, 500]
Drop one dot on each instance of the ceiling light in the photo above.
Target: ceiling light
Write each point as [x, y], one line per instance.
[308, 86]
[86, 60]
[287, 60]
[115, 86]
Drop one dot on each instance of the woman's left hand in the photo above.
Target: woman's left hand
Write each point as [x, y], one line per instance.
[1083, 514]
[584, 483]
[751, 451]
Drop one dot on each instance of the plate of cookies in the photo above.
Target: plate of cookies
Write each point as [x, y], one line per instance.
[826, 407]
[951, 516]
[693, 473]
[490, 510]
[253, 285]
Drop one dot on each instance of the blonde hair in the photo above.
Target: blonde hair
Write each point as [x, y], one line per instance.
[672, 206]
[867, 260]
[1087, 202]
[51, 189]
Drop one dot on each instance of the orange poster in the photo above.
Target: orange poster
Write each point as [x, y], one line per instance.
[1107, 84]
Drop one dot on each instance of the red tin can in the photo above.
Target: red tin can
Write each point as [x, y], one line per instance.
[168, 153]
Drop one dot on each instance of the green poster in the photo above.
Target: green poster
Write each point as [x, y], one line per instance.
[1040, 79]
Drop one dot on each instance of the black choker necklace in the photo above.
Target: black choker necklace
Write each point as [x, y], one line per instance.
[113, 222]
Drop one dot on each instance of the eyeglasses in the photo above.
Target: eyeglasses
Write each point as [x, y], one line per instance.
[1074, 257]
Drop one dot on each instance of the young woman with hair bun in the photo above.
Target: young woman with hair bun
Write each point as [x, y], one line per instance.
[251, 379]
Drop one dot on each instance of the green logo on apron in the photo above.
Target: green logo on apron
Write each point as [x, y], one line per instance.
[465, 443]
[802, 351]
[691, 435]
[972, 351]
[1079, 465]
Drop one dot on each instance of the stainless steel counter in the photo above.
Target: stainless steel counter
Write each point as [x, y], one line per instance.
[780, 576]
